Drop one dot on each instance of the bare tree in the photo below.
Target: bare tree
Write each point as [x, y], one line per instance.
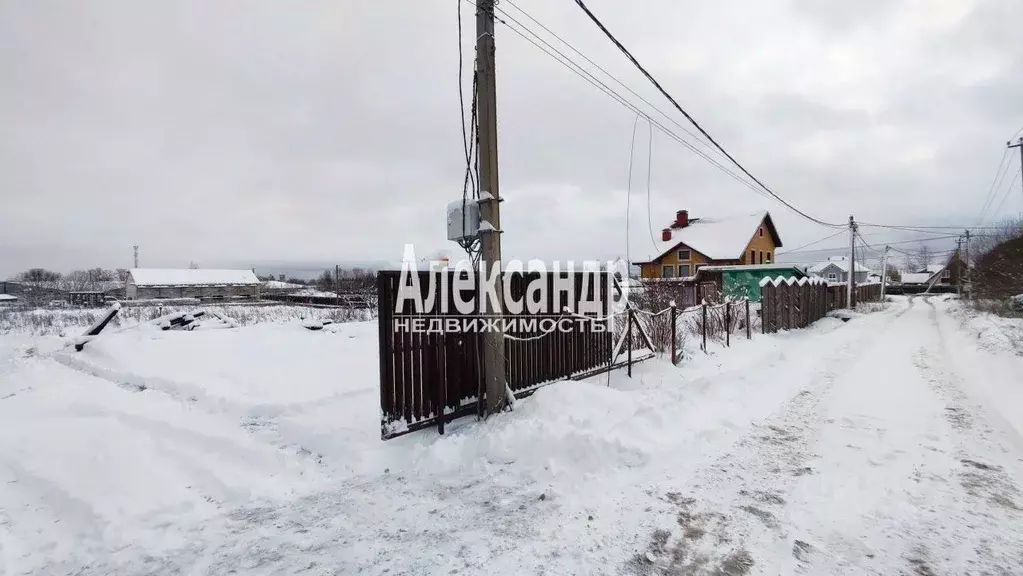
[326, 281]
[920, 259]
[193, 265]
[983, 243]
[893, 273]
[38, 275]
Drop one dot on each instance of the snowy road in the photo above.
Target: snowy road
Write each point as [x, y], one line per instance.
[889, 444]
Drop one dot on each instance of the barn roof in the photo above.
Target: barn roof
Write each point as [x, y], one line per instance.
[192, 277]
[716, 238]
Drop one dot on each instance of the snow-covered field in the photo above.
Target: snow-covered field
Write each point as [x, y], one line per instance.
[75, 320]
[891, 443]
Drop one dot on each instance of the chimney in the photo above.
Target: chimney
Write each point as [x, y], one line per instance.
[665, 234]
[681, 218]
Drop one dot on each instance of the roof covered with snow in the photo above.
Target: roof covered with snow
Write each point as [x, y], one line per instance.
[7, 297]
[278, 285]
[752, 267]
[934, 268]
[716, 238]
[842, 265]
[916, 277]
[192, 277]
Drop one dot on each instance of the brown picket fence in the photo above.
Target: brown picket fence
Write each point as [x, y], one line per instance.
[429, 377]
[786, 306]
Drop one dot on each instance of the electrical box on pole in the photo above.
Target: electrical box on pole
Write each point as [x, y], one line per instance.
[463, 220]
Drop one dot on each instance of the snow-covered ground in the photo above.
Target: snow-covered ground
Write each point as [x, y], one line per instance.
[891, 443]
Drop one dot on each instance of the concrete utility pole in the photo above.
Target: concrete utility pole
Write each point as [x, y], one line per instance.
[337, 284]
[959, 256]
[884, 271]
[966, 263]
[136, 248]
[490, 200]
[1018, 144]
[850, 298]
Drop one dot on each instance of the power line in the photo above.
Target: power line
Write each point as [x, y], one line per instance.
[812, 243]
[1003, 167]
[1008, 192]
[696, 124]
[926, 229]
[611, 76]
[578, 70]
[628, 193]
[838, 248]
[649, 163]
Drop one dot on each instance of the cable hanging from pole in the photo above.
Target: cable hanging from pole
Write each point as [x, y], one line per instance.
[693, 121]
[578, 70]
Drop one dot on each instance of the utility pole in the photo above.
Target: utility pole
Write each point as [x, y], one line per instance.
[966, 263]
[884, 271]
[850, 298]
[959, 256]
[337, 284]
[136, 248]
[490, 201]
[1018, 144]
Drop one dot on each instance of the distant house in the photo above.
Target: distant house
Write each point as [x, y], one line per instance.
[947, 274]
[205, 284]
[688, 244]
[837, 270]
[8, 299]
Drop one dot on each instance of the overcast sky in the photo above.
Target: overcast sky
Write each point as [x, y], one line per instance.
[246, 132]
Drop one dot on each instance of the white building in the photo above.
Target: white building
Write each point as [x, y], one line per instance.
[837, 270]
[207, 284]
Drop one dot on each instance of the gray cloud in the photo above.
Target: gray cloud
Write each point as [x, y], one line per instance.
[329, 131]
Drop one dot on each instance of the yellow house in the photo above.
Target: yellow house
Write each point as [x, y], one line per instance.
[689, 243]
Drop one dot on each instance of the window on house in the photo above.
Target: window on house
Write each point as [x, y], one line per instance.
[752, 256]
[832, 277]
[761, 231]
[761, 257]
[683, 270]
[667, 271]
[685, 255]
[768, 257]
[946, 274]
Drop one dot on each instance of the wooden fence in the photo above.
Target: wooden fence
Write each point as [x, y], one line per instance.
[864, 293]
[789, 304]
[428, 377]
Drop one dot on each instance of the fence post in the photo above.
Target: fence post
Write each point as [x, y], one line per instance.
[763, 308]
[728, 324]
[674, 317]
[629, 336]
[704, 327]
[749, 335]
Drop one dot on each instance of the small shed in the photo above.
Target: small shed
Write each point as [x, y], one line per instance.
[90, 298]
[743, 281]
[7, 300]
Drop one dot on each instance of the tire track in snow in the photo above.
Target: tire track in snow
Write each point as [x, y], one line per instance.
[993, 497]
[737, 504]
